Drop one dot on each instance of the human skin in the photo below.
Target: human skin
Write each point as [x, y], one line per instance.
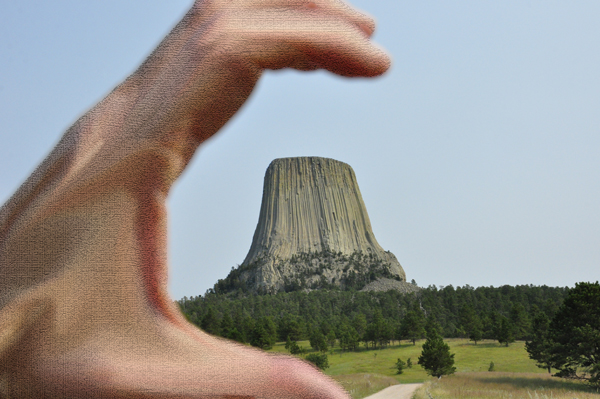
[84, 308]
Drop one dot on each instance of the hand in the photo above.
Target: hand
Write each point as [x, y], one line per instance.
[301, 34]
[208, 65]
[83, 268]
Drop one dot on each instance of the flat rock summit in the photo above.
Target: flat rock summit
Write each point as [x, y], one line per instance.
[314, 232]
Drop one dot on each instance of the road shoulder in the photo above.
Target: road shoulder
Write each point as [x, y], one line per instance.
[400, 391]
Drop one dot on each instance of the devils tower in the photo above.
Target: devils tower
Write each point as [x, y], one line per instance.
[313, 232]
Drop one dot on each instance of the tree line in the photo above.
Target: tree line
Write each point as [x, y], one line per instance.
[354, 319]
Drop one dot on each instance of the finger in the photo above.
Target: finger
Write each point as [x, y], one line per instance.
[344, 47]
[332, 7]
[345, 11]
[299, 39]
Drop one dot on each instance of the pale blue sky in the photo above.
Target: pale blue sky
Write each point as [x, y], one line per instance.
[477, 154]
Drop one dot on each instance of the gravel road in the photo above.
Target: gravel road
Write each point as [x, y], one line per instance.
[400, 391]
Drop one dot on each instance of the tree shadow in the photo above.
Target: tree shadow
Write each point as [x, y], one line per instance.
[483, 345]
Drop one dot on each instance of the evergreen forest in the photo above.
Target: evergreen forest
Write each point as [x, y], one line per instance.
[354, 319]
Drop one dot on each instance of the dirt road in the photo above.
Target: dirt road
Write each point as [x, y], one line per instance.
[401, 391]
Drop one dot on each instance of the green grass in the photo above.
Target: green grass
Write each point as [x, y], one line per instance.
[495, 385]
[468, 358]
[365, 372]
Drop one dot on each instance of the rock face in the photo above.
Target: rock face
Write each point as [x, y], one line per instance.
[313, 232]
[386, 284]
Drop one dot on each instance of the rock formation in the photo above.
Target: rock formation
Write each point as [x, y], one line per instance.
[313, 232]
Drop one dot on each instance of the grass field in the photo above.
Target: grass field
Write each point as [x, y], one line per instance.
[365, 372]
[468, 358]
[504, 385]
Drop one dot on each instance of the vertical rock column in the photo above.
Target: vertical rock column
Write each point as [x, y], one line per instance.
[312, 204]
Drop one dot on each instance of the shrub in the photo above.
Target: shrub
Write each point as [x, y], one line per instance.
[319, 359]
[400, 366]
[293, 347]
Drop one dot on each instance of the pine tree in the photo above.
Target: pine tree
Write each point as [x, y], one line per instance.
[360, 324]
[431, 325]
[318, 359]
[400, 366]
[505, 332]
[520, 321]
[575, 330]
[226, 325]
[296, 349]
[210, 322]
[270, 329]
[471, 323]
[476, 335]
[413, 325]
[376, 330]
[264, 333]
[436, 358]
[292, 346]
[348, 337]
[467, 318]
[331, 338]
[318, 341]
[259, 337]
[539, 348]
[344, 338]
[235, 335]
[292, 326]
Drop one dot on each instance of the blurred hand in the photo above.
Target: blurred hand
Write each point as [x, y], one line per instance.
[208, 65]
[84, 305]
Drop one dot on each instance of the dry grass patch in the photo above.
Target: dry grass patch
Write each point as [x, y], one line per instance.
[362, 385]
[504, 385]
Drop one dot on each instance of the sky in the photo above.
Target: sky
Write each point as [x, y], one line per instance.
[477, 153]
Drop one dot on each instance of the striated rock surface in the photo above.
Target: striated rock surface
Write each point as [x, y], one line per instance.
[313, 232]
